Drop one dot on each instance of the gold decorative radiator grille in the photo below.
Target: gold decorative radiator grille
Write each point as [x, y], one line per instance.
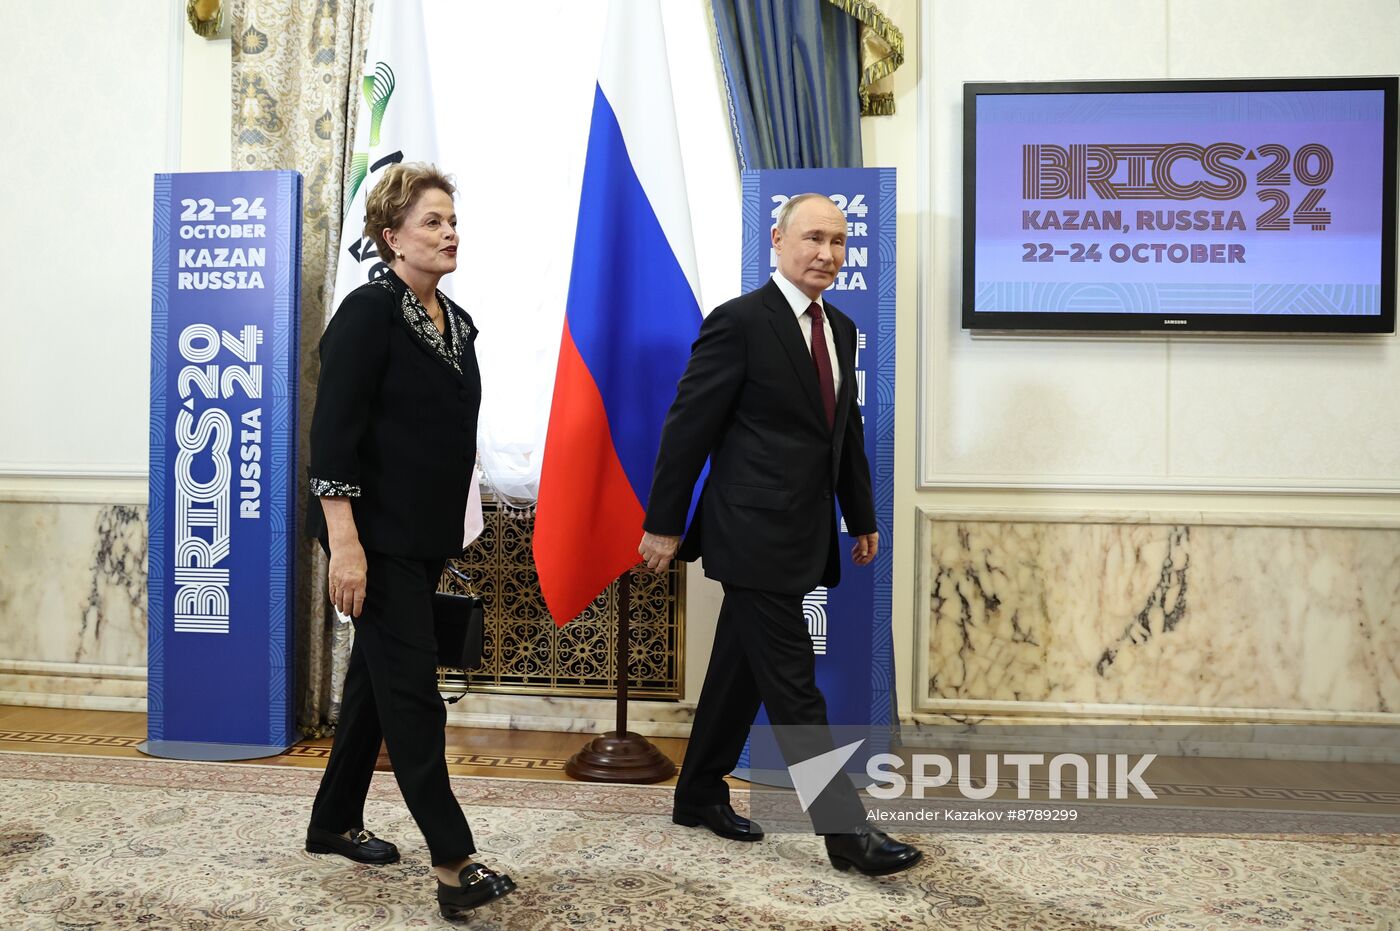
[525, 653]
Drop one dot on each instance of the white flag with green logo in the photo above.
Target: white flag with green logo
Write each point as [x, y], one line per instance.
[395, 124]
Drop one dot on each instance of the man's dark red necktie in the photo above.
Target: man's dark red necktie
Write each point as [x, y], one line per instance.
[822, 360]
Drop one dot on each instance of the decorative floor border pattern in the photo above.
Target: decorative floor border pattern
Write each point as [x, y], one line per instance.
[302, 781]
[515, 761]
[527, 763]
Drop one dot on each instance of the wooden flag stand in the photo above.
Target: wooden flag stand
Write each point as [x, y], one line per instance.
[618, 756]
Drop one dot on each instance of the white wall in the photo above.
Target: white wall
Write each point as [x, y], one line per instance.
[93, 113]
[206, 102]
[1168, 412]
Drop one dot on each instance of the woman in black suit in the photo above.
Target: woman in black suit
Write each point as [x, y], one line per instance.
[393, 444]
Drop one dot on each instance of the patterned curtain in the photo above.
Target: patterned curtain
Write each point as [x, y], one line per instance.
[296, 69]
[800, 73]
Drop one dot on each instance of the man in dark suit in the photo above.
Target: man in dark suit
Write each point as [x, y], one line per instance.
[769, 397]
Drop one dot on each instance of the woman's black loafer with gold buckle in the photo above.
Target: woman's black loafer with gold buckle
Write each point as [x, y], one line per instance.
[479, 886]
[361, 846]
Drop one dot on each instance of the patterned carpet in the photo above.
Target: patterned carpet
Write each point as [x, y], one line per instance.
[94, 843]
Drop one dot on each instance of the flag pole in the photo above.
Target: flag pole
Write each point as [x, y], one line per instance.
[619, 756]
[624, 637]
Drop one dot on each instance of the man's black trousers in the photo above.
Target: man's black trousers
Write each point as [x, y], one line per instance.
[762, 654]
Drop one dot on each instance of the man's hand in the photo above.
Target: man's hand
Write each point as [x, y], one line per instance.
[658, 551]
[867, 544]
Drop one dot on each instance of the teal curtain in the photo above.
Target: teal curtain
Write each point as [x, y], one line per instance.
[792, 70]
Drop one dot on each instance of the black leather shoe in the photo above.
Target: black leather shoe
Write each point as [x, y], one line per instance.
[361, 846]
[718, 818]
[871, 852]
[479, 886]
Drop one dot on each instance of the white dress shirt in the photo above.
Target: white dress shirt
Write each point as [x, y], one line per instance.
[799, 303]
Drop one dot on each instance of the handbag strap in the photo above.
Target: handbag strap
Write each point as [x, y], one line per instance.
[462, 579]
[466, 582]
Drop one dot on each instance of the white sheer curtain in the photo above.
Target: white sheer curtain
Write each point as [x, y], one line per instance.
[513, 111]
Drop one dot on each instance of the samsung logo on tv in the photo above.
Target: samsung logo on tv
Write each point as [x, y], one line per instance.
[1175, 322]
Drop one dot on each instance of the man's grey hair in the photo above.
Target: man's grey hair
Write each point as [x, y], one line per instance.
[785, 211]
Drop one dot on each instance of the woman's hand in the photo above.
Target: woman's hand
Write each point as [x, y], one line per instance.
[348, 567]
[348, 571]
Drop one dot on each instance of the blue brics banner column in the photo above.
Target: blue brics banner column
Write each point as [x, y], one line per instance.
[224, 340]
[849, 624]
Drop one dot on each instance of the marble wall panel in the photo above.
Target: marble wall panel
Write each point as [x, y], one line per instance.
[1161, 614]
[73, 626]
[73, 583]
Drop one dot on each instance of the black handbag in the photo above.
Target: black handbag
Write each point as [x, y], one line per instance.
[459, 623]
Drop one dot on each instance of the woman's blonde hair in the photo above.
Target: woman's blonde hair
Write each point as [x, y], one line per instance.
[388, 204]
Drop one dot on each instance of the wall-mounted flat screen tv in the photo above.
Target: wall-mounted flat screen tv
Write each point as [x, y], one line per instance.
[1218, 206]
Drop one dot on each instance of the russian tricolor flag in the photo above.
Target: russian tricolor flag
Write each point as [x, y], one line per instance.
[633, 311]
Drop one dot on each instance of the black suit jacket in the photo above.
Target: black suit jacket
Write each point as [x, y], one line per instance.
[749, 400]
[395, 419]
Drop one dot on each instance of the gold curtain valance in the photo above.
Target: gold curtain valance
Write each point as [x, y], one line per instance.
[881, 54]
